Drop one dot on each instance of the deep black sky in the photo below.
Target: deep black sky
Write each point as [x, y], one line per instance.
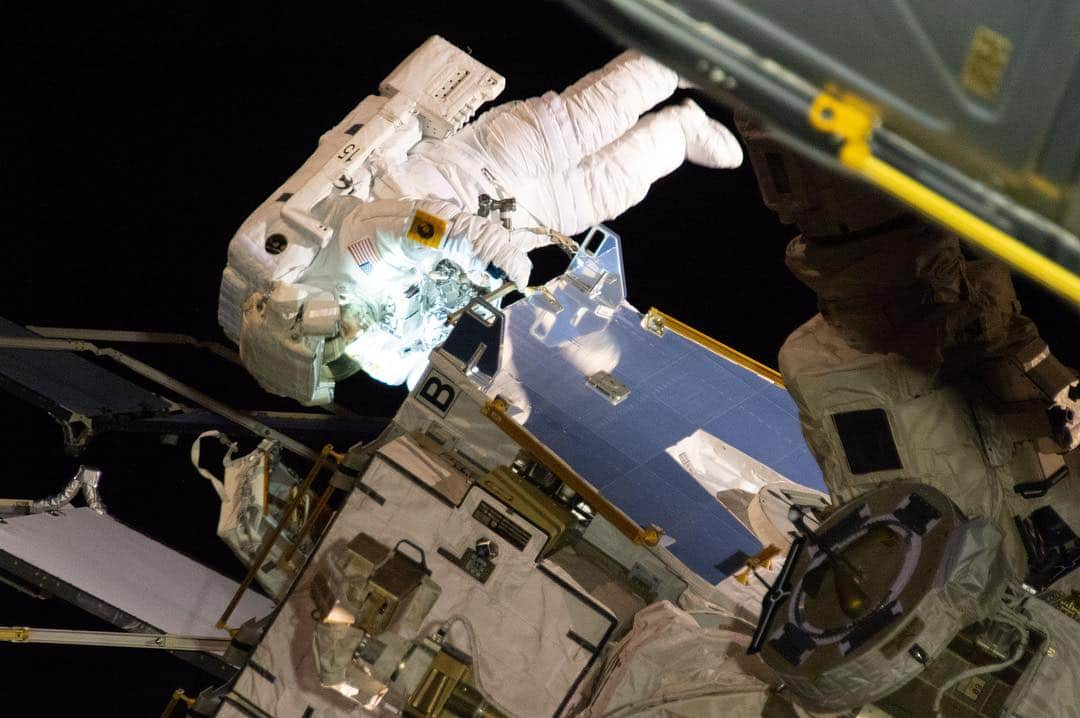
[136, 141]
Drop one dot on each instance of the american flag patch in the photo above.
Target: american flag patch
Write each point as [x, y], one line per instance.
[365, 253]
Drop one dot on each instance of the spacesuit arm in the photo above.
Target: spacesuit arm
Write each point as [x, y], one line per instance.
[576, 158]
[415, 233]
[491, 243]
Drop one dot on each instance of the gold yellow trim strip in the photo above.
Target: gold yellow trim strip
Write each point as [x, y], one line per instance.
[716, 347]
[853, 121]
[495, 410]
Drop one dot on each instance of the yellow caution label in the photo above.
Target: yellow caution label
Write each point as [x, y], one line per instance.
[427, 229]
[988, 56]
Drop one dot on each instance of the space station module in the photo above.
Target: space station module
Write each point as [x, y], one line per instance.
[938, 579]
[926, 398]
[921, 366]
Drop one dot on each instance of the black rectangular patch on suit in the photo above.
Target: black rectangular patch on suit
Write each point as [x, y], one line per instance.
[867, 441]
[917, 514]
[792, 644]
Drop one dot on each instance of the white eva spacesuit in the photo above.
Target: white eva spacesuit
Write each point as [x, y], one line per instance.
[356, 262]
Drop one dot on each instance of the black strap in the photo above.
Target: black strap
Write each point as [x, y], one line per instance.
[779, 591]
[1038, 489]
[792, 644]
[917, 515]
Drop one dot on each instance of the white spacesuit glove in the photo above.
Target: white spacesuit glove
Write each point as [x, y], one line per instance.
[398, 244]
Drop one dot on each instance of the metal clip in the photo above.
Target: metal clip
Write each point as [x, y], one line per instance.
[609, 386]
[1038, 489]
[653, 322]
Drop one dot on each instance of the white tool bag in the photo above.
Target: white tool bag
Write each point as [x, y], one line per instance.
[254, 492]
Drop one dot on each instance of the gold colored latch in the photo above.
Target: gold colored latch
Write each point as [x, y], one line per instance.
[15, 635]
[846, 116]
[988, 56]
[658, 322]
[653, 322]
[763, 559]
[178, 697]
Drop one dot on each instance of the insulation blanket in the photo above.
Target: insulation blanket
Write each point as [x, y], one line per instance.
[525, 658]
[128, 571]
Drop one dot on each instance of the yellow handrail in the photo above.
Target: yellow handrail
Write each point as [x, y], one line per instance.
[178, 696]
[271, 538]
[853, 122]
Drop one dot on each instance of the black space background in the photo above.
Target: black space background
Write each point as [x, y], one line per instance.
[136, 141]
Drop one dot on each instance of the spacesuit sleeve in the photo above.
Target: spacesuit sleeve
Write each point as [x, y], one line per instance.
[668, 664]
[419, 232]
[583, 156]
[618, 176]
[491, 243]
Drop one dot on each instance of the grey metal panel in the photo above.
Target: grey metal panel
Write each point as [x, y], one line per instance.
[25, 577]
[909, 56]
[520, 615]
[71, 382]
[987, 150]
[122, 568]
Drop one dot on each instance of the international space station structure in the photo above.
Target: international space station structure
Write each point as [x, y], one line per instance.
[582, 509]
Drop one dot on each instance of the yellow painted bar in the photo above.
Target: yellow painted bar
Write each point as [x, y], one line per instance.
[327, 454]
[853, 120]
[1052, 275]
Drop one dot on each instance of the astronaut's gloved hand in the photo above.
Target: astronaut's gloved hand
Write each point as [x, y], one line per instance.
[492, 244]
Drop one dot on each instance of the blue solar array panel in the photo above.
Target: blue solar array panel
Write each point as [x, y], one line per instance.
[676, 387]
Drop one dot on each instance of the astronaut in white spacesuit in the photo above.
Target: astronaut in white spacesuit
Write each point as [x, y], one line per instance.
[356, 262]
